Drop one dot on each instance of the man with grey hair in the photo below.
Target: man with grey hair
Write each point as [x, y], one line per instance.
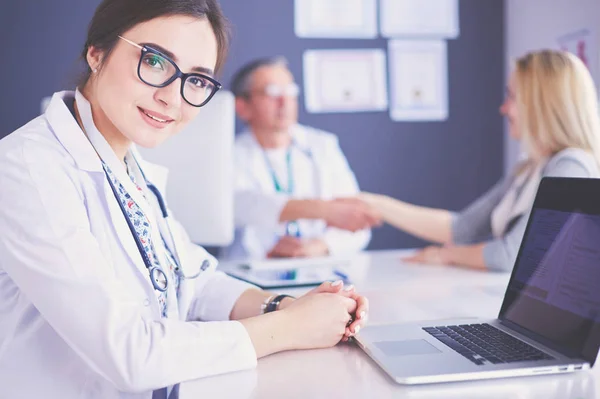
[295, 193]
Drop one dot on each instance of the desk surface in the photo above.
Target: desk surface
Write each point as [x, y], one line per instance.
[397, 293]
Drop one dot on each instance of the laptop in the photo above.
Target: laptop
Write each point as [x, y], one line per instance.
[549, 321]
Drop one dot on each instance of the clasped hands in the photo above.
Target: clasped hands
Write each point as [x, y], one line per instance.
[333, 312]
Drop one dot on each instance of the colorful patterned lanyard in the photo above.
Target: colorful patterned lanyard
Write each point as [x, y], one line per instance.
[140, 227]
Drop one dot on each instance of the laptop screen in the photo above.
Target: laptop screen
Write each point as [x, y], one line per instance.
[554, 290]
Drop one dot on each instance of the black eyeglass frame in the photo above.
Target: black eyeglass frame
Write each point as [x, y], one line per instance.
[178, 74]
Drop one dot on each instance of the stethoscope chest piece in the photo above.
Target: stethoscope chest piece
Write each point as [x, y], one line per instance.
[159, 279]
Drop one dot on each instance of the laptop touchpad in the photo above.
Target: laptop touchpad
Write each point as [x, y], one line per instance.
[407, 348]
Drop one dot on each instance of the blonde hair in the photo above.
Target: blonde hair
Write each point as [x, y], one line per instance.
[557, 104]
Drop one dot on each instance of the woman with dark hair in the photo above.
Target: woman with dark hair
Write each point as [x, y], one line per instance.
[102, 294]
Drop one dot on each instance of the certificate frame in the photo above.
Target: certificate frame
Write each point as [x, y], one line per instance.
[345, 80]
[419, 18]
[322, 19]
[418, 80]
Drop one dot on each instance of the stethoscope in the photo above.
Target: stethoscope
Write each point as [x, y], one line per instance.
[157, 275]
[292, 228]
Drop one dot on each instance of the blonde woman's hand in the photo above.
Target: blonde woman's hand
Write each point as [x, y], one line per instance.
[373, 200]
[351, 214]
[432, 254]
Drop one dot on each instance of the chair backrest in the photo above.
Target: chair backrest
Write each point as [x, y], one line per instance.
[200, 163]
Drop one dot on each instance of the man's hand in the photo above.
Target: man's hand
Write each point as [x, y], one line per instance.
[293, 247]
[351, 214]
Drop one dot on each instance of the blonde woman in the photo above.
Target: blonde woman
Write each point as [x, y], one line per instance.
[552, 108]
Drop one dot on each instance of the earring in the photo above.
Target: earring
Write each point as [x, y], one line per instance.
[95, 70]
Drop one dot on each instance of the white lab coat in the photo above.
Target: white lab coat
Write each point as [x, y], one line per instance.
[79, 317]
[320, 170]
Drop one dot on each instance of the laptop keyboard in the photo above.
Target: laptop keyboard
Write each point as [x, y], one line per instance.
[481, 342]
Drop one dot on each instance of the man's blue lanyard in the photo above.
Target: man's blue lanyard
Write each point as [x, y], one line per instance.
[292, 228]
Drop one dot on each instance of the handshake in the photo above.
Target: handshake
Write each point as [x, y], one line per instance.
[349, 213]
[352, 213]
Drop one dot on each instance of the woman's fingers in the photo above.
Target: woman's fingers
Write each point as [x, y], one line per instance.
[361, 316]
[332, 287]
[347, 291]
[356, 306]
[418, 257]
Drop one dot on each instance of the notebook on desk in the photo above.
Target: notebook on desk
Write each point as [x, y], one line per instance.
[549, 321]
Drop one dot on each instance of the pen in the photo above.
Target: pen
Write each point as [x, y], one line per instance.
[344, 276]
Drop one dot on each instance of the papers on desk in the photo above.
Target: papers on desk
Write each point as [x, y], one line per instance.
[345, 80]
[296, 263]
[336, 18]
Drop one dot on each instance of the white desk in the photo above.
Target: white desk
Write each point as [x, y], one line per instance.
[397, 292]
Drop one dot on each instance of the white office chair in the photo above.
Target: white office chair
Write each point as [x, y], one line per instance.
[200, 163]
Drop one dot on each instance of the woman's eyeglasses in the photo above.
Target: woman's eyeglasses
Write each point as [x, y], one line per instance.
[157, 70]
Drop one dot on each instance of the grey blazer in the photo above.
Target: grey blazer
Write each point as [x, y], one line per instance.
[473, 224]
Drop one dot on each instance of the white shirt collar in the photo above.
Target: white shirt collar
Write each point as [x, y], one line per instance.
[100, 144]
[108, 155]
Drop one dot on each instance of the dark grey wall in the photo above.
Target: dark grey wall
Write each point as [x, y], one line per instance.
[41, 41]
[443, 164]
